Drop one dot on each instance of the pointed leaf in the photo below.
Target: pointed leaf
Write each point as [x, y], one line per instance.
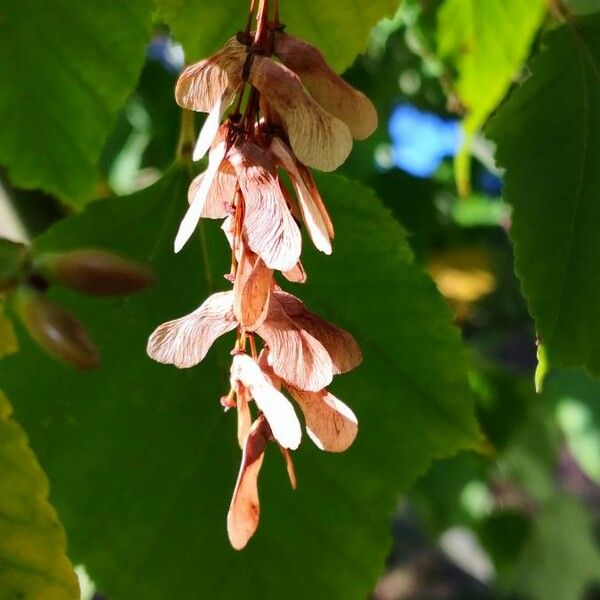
[562, 534]
[32, 541]
[548, 137]
[66, 71]
[487, 43]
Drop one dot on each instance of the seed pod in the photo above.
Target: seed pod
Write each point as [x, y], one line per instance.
[94, 272]
[55, 329]
[13, 260]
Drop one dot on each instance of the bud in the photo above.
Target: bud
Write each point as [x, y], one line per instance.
[13, 261]
[55, 329]
[94, 272]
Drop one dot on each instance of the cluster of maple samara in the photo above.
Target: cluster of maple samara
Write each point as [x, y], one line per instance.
[274, 107]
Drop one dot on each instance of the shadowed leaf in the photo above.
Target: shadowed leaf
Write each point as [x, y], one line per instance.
[548, 137]
[144, 461]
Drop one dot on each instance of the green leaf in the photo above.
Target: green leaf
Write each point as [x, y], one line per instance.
[67, 70]
[487, 43]
[33, 564]
[478, 210]
[548, 137]
[575, 398]
[555, 529]
[504, 534]
[144, 461]
[339, 29]
[530, 457]
[560, 557]
[582, 7]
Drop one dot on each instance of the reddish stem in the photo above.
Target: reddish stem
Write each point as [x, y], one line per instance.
[250, 15]
[238, 222]
[262, 28]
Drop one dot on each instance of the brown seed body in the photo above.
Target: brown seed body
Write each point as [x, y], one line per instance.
[95, 272]
[55, 329]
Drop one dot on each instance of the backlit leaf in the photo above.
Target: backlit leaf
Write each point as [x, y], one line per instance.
[487, 43]
[66, 71]
[33, 564]
[339, 29]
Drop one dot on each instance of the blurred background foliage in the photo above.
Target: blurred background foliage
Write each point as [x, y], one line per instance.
[520, 520]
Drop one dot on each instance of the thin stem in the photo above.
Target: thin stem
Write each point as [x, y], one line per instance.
[235, 114]
[250, 15]
[558, 10]
[238, 221]
[229, 401]
[266, 115]
[210, 284]
[187, 137]
[242, 341]
[253, 346]
[252, 105]
[262, 28]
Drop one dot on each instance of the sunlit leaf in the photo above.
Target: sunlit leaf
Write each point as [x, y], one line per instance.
[340, 29]
[32, 541]
[143, 459]
[66, 71]
[548, 137]
[487, 43]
